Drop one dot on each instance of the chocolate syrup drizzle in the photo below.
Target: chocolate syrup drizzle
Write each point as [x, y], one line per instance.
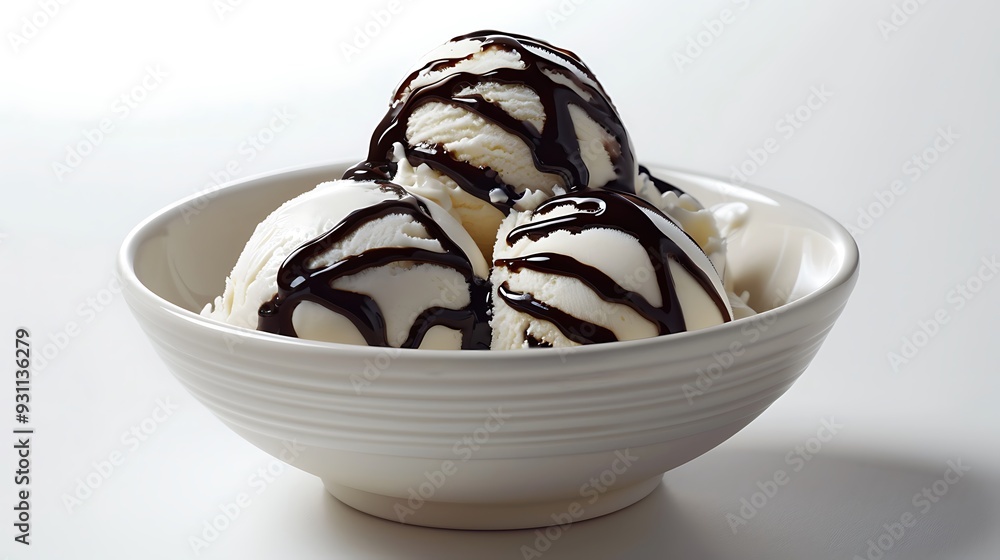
[661, 185]
[611, 210]
[555, 149]
[298, 282]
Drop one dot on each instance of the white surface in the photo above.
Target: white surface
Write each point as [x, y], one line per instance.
[226, 77]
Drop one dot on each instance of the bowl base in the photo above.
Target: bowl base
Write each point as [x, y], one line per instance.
[501, 516]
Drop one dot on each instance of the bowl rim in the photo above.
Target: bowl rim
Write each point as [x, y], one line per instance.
[845, 275]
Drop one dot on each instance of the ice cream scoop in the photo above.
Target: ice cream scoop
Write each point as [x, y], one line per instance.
[490, 128]
[491, 122]
[599, 266]
[361, 263]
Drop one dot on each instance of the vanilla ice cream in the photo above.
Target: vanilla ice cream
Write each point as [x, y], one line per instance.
[360, 263]
[599, 266]
[504, 147]
[491, 122]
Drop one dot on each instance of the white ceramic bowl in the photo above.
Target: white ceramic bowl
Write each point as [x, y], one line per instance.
[487, 440]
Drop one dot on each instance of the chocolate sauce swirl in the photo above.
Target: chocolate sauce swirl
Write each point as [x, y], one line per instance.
[298, 281]
[555, 149]
[609, 210]
[575, 329]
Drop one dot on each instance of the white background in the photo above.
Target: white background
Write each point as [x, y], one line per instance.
[225, 73]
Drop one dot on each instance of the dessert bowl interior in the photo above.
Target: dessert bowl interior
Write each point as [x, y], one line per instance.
[788, 249]
[487, 440]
